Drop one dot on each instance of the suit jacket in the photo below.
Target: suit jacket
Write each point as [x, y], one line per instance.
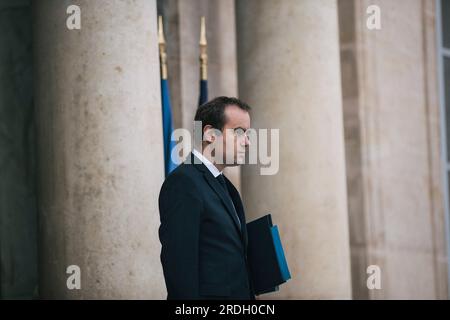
[204, 251]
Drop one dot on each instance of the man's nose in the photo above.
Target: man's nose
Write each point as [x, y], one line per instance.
[246, 141]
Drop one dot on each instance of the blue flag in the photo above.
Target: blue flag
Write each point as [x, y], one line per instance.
[169, 164]
[203, 92]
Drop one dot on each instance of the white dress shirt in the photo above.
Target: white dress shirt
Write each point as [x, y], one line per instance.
[211, 167]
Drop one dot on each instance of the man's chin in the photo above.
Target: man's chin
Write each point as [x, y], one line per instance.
[239, 160]
[235, 163]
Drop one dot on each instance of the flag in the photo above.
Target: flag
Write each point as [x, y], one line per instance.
[203, 92]
[169, 163]
[169, 144]
[203, 97]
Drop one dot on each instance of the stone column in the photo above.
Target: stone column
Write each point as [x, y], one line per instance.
[289, 71]
[98, 108]
[395, 173]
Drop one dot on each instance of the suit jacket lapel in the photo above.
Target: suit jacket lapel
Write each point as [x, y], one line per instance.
[225, 199]
[217, 187]
[239, 208]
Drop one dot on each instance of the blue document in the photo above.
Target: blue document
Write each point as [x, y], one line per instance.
[267, 261]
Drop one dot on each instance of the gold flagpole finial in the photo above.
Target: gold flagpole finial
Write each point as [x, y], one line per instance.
[203, 51]
[161, 39]
[162, 48]
[202, 32]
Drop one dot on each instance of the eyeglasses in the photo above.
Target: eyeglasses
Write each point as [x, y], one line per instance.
[240, 132]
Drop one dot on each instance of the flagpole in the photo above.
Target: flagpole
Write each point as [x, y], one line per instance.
[162, 49]
[169, 144]
[203, 51]
[203, 97]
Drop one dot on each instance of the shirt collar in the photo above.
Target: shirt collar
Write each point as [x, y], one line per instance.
[211, 167]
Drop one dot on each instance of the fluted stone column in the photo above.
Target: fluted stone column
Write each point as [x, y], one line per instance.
[98, 107]
[289, 71]
[395, 170]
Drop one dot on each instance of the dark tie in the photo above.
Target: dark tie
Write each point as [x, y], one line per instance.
[221, 180]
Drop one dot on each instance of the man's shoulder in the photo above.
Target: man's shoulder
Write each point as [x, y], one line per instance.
[185, 169]
[185, 174]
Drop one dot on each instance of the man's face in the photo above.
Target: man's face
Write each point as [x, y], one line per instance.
[235, 139]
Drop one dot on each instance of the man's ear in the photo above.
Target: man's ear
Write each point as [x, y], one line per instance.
[208, 134]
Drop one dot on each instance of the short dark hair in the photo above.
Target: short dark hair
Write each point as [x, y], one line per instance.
[213, 112]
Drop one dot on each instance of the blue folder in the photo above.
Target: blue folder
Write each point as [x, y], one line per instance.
[267, 262]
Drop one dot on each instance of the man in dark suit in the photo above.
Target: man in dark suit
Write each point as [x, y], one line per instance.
[203, 230]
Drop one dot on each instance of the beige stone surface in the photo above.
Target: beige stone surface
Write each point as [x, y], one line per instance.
[359, 128]
[98, 107]
[394, 172]
[289, 70]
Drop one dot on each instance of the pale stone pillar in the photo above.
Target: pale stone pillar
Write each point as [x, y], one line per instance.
[289, 72]
[394, 165]
[98, 110]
